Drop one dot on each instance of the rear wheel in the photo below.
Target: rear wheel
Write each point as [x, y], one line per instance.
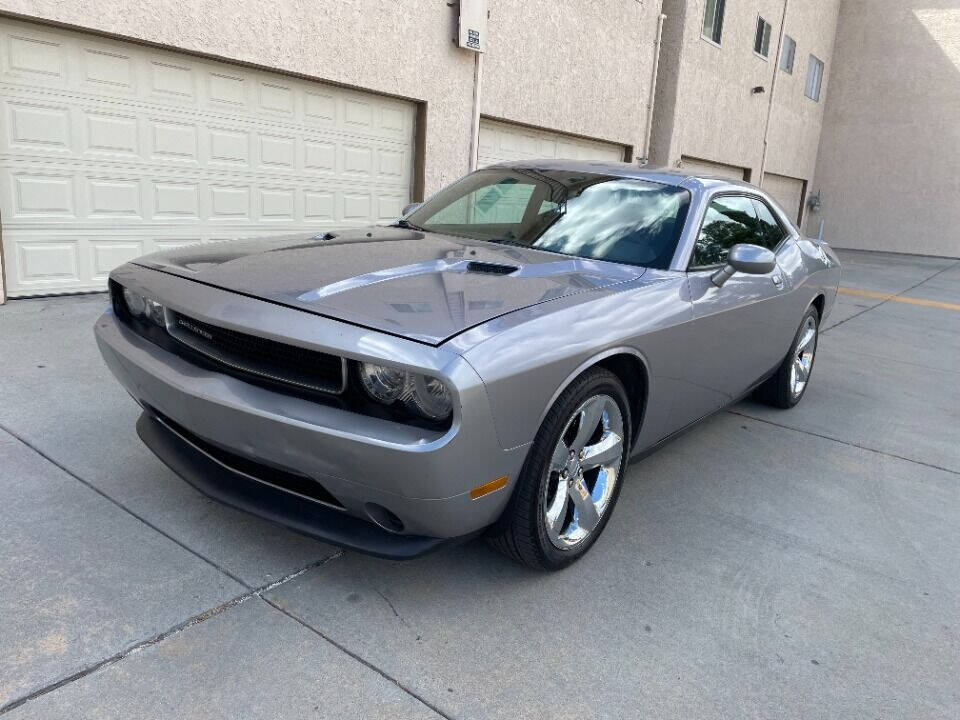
[571, 479]
[785, 387]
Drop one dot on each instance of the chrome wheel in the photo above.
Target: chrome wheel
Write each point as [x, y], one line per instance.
[803, 357]
[584, 470]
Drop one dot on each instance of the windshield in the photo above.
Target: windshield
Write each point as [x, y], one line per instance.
[601, 217]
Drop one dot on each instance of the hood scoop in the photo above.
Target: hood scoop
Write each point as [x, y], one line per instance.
[489, 268]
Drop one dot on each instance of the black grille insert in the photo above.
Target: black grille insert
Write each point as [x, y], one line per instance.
[287, 480]
[277, 361]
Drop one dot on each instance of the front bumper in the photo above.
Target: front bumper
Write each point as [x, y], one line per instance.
[422, 477]
[222, 483]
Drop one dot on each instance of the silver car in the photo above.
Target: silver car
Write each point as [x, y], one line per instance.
[487, 364]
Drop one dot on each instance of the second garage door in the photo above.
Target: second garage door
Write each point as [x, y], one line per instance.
[787, 191]
[109, 150]
[503, 142]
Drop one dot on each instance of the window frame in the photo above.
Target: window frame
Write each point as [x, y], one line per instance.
[787, 234]
[814, 61]
[765, 34]
[719, 10]
[792, 43]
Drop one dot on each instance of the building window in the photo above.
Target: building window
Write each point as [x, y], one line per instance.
[713, 20]
[814, 78]
[761, 43]
[787, 54]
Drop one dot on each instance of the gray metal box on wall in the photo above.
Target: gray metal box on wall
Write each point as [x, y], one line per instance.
[473, 25]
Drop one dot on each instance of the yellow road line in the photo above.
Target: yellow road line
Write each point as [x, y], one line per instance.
[899, 298]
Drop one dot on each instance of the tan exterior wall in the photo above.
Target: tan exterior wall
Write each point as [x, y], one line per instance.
[580, 68]
[797, 121]
[705, 105]
[889, 165]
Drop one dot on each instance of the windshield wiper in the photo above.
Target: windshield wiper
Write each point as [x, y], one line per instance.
[404, 223]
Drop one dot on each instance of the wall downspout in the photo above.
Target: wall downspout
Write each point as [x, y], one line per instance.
[773, 87]
[653, 88]
[475, 128]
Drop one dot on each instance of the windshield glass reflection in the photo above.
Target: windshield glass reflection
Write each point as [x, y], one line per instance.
[587, 215]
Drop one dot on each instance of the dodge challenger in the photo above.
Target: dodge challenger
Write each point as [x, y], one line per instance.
[487, 364]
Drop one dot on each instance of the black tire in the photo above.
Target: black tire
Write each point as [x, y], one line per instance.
[521, 531]
[777, 390]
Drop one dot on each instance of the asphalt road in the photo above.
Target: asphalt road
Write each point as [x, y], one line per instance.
[770, 564]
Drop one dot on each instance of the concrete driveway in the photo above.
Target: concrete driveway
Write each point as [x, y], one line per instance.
[767, 564]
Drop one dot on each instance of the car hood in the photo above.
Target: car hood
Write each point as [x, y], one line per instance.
[423, 286]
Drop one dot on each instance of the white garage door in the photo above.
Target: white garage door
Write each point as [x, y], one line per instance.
[502, 142]
[109, 150]
[707, 167]
[787, 191]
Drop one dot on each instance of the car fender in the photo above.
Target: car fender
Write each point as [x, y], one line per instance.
[589, 363]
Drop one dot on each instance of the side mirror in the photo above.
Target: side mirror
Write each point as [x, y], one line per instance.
[745, 258]
[409, 209]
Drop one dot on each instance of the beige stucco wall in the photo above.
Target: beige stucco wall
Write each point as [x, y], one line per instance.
[889, 164]
[577, 67]
[796, 121]
[581, 67]
[705, 107]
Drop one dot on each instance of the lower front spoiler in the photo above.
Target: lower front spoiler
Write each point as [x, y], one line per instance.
[240, 491]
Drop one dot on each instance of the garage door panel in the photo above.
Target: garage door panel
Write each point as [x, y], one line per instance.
[503, 142]
[39, 193]
[108, 254]
[111, 135]
[43, 260]
[36, 59]
[110, 140]
[114, 197]
[227, 90]
[38, 127]
[176, 200]
[101, 68]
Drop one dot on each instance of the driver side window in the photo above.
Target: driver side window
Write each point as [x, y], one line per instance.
[730, 219]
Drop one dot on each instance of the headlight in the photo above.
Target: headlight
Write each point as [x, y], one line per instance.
[424, 394]
[429, 396]
[143, 307]
[136, 304]
[383, 384]
[155, 312]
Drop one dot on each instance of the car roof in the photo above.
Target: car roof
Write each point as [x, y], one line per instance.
[653, 173]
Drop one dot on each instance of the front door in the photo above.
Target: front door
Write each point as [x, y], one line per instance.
[741, 329]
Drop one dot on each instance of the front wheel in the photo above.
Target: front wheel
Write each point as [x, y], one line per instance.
[571, 479]
[788, 384]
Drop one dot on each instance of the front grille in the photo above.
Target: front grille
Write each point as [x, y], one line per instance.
[276, 361]
[292, 482]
